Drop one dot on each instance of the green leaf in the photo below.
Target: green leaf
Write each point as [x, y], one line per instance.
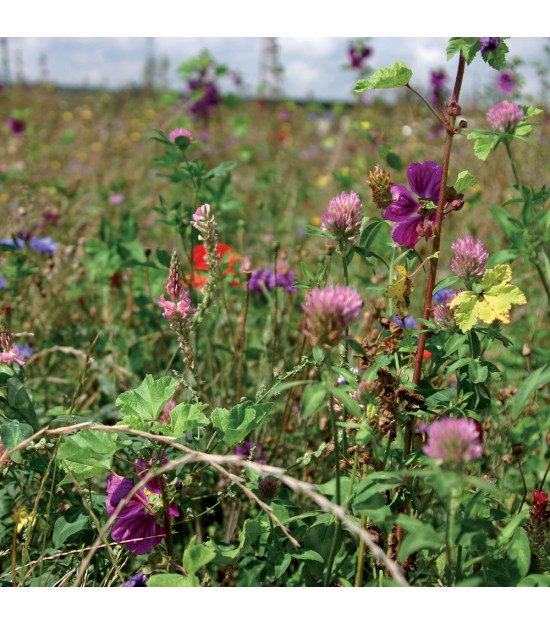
[308, 554]
[185, 417]
[146, 402]
[420, 535]
[535, 579]
[537, 378]
[314, 397]
[469, 46]
[484, 143]
[13, 433]
[172, 580]
[398, 75]
[66, 526]
[233, 426]
[352, 405]
[464, 180]
[497, 58]
[87, 453]
[520, 551]
[197, 556]
[221, 169]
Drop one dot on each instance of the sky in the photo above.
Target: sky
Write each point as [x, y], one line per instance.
[313, 66]
[105, 43]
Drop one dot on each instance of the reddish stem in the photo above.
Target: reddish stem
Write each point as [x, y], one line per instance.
[453, 110]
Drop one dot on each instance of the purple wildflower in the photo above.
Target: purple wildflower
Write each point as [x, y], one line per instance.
[329, 311]
[249, 450]
[180, 302]
[438, 78]
[268, 487]
[19, 242]
[343, 220]
[439, 296]
[507, 82]
[489, 44]
[453, 441]
[265, 278]
[415, 218]
[10, 353]
[442, 313]
[136, 525]
[180, 132]
[137, 580]
[358, 54]
[44, 245]
[17, 126]
[116, 198]
[470, 258]
[505, 116]
[407, 322]
[3, 282]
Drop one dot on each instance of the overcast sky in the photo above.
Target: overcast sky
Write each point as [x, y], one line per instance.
[312, 65]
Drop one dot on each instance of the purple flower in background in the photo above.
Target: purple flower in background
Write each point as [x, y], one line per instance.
[453, 441]
[415, 217]
[248, 449]
[180, 132]
[407, 322]
[489, 44]
[358, 54]
[17, 126]
[24, 352]
[507, 82]
[116, 198]
[470, 258]
[329, 311]
[505, 116]
[10, 353]
[3, 282]
[265, 278]
[136, 525]
[438, 79]
[136, 581]
[343, 219]
[440, 295]
[44, 245]
[19, 242]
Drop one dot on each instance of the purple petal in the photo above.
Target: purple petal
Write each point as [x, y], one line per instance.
[406, 232]
[404, 204]
[141, 530]
[425, 179]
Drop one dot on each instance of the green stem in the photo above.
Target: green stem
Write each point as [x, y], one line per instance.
[449, 535]
[513, 163]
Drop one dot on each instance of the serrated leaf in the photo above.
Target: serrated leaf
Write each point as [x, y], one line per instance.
[146, 402]
[398, 75]
[400, 290]
[469, 46]
[497, 58]
[185, 417]
[493, 303]
[484, 144]
[233, 426]
[464, 180]
[87, 454]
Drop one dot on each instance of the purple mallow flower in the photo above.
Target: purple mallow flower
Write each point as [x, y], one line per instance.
[453, 441]
[507, 82]
[470, 258]
[415, 217]
[136, 581]
[329, 311]
[358, 55]
[17, 126]
[136, 525]
[249, 450]
[44, 245]
[505, 116]
[343, 220]
[489, 44]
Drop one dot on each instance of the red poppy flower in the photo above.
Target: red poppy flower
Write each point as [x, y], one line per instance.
[199, 263]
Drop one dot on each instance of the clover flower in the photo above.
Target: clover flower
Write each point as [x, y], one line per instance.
[268, 487]
[137, 524]
[507, 82]
[489, 44]
[342, 220]
[380, 184]
[415, 218]
[505, 116]
[261, 279]
[180, 132]
[539, 510]
[442, 313]
[453, 441]
[470, 258]
[329, 311]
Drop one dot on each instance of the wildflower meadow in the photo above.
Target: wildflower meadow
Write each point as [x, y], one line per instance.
[255, 342]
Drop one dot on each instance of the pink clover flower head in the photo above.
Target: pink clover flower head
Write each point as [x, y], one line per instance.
[505, 116]
[116, 198]
[180, 132]
[329, 311]
[414, 217]
[507, 82]
[136, 525]
[489, 44]
[343, 220]
[453, 441]
[470, 258]
[539, 510]
[443, 315]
